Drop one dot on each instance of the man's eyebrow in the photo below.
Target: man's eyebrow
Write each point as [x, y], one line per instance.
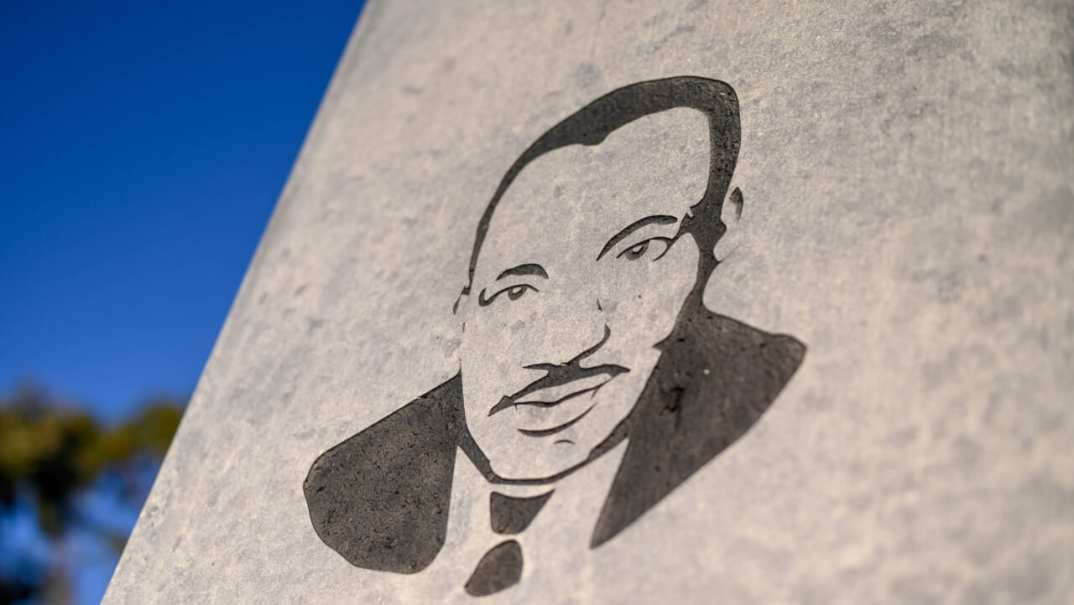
[527, 269]
[660, 219]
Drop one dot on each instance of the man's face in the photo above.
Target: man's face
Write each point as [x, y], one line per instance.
[579, 276]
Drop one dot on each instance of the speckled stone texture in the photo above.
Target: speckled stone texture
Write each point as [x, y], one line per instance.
[908, 169]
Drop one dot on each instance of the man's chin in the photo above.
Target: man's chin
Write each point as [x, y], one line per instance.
[555, 461]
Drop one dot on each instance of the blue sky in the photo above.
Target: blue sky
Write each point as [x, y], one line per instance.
[144, 146]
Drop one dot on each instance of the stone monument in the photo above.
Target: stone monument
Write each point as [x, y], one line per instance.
[680, 302]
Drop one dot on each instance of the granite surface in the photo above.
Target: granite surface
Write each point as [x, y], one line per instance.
[908, 170]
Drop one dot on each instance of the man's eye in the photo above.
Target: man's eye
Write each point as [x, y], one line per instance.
[516, 292]
[653, 248]
[512, 292]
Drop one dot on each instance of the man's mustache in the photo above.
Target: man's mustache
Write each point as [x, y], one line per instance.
[558, 375]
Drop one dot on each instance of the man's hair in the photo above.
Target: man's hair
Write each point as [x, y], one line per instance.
[593, 123]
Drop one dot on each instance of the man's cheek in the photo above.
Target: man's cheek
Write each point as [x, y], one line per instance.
[490, 362]
[668, 283]
[484, 345]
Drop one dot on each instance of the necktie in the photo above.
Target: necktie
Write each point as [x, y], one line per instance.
[501, 566]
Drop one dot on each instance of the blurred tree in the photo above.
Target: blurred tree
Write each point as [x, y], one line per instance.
[50, 454]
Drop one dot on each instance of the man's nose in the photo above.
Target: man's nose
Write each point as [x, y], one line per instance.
[582, 329]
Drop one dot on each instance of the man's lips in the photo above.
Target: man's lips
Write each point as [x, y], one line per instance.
[559, 427]
[553, 395]
[559, 385]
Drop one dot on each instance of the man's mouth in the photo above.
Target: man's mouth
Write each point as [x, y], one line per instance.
[554, 395]
[560, 385]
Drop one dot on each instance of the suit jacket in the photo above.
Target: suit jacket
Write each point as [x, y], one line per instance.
[381, 498]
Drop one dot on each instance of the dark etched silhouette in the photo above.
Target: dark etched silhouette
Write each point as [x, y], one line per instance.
[500, 568]
[381, 498]
[510, 515]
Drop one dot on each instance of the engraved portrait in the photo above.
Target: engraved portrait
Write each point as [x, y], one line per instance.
[584, 335]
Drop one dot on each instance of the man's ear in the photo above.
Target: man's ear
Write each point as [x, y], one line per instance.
[460, 302]
[731, 216]
[460, 309]
[743, 276]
